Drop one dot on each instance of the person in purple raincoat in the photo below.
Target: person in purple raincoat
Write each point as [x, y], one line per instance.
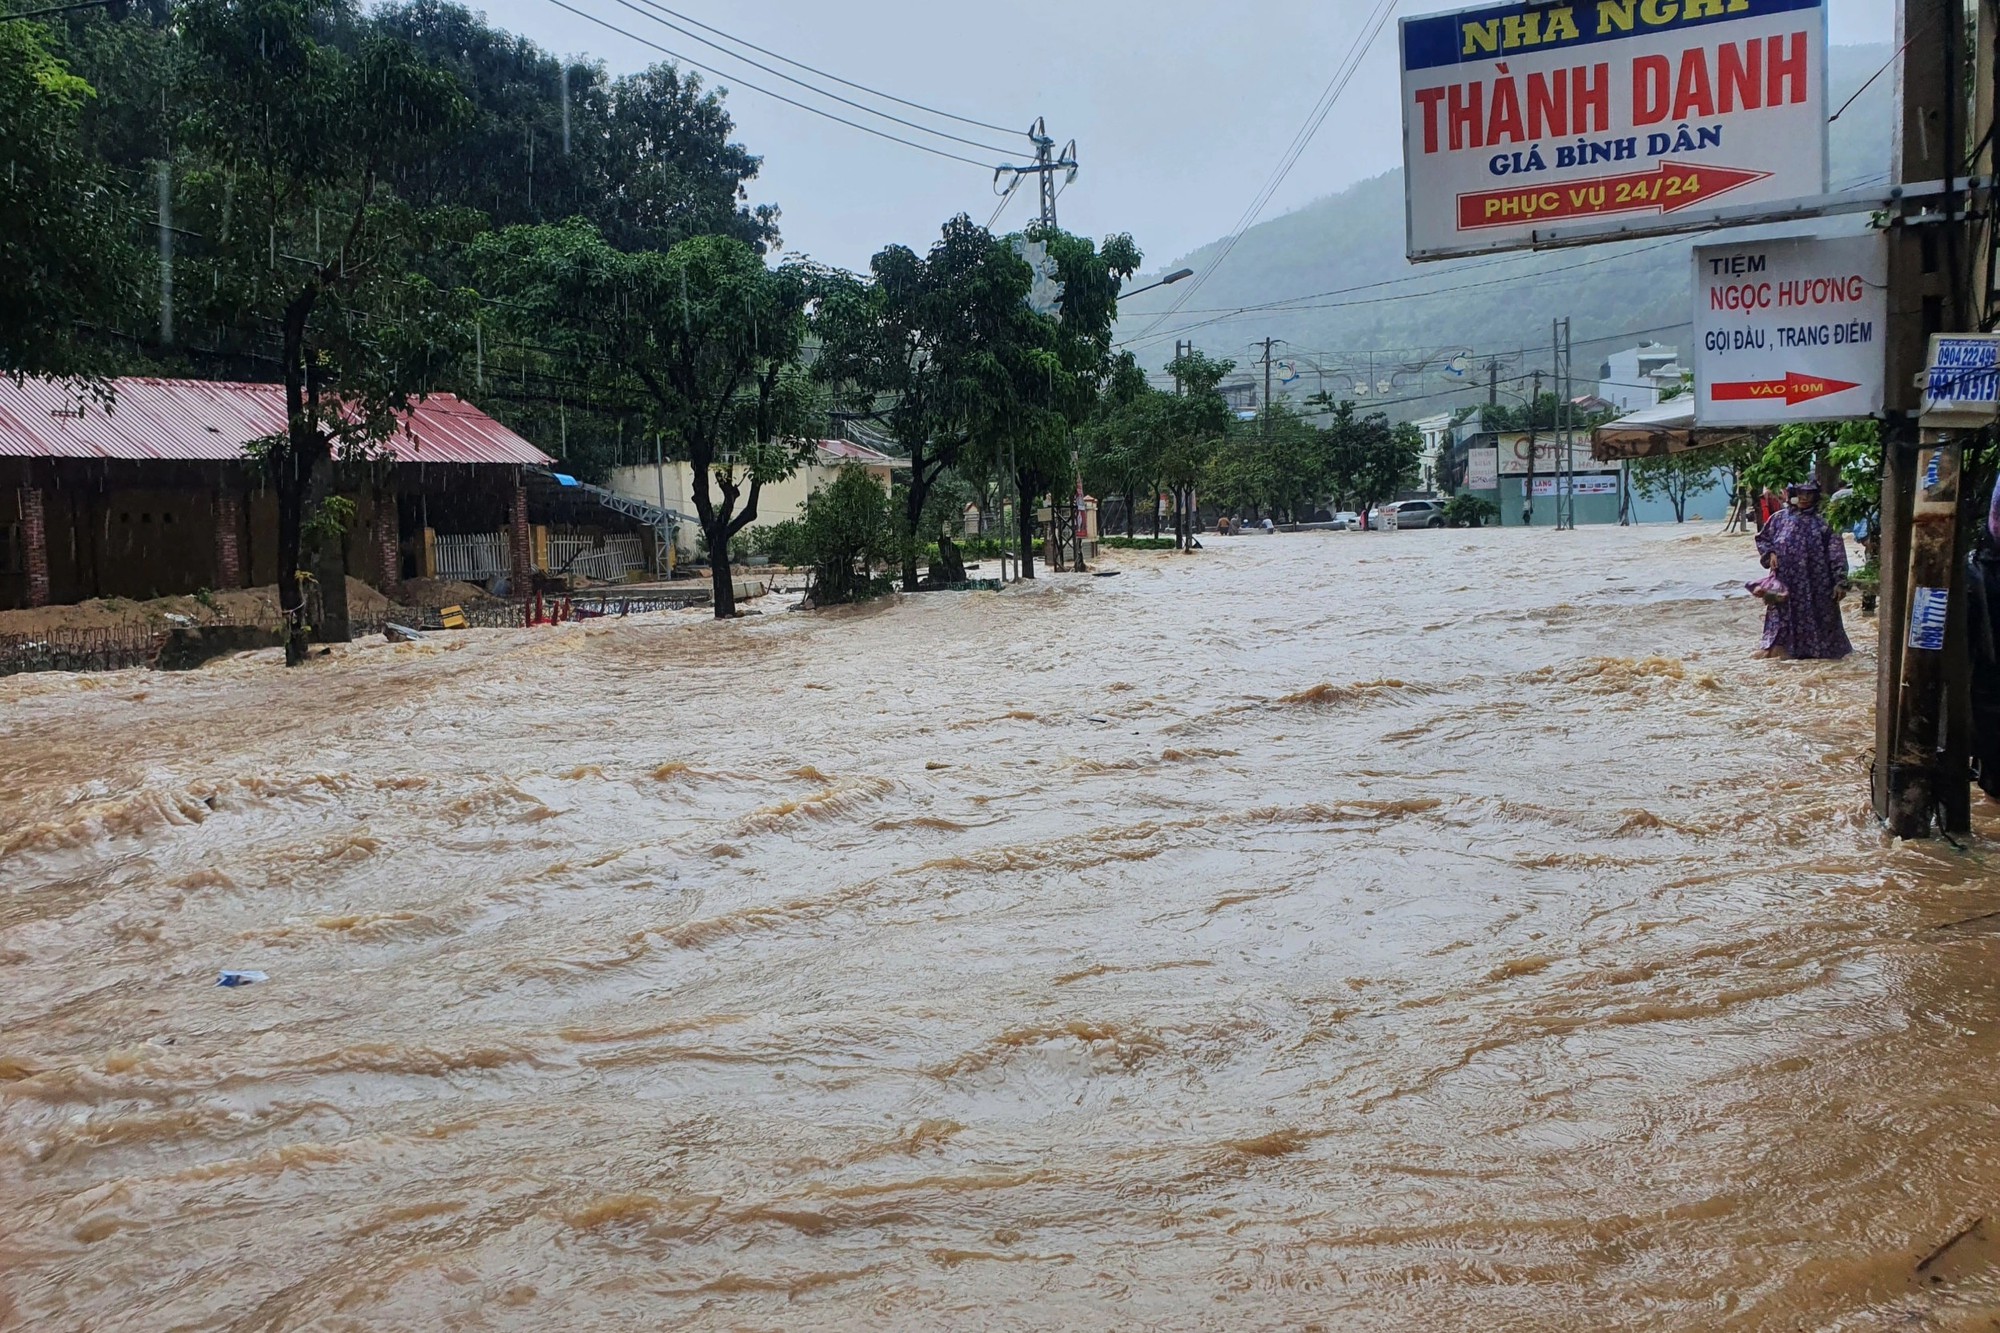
[1808, 555]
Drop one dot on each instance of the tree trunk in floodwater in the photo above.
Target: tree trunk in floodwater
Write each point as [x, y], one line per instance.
[722, 579]
[329, 565]
[290, 493]
[949, 567]
[1024, 518]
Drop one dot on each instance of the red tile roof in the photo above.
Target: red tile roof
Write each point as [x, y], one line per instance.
[210, 420]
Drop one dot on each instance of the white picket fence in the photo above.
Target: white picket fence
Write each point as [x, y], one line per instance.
[473, 557]
[619, 554]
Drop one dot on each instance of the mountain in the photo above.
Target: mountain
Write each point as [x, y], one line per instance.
[1337, 265]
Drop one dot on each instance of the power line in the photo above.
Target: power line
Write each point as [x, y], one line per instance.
[817, 111]
[1314, 119]
[1006, 197]
[1278, 305]
[862, 107]
[1291, 304]
[860, 87]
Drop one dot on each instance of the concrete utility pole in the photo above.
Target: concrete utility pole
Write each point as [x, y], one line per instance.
[1047, 163]
[1916, 774]
[1528, 486]
[1565, 480]
[1267, 385]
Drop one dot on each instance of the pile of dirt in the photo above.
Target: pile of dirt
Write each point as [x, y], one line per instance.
[233, 606]
[433, 593]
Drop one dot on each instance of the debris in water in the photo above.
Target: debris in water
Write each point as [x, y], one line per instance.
[1096, 718]
[395, 633]
[1950, 1241]
[241, 978]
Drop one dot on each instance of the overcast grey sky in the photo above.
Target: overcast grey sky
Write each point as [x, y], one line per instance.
[1180, 109]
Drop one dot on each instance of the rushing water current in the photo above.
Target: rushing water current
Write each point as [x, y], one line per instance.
[1423, 930]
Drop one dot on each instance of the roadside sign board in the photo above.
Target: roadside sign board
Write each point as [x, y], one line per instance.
[1789, 330]
[1606, 113]
[1962, 380]
[1596, 483]
[1482, 469]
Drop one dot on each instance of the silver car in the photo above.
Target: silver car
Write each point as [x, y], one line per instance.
[1415, 514]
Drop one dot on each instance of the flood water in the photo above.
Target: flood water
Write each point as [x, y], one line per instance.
[1421, 930]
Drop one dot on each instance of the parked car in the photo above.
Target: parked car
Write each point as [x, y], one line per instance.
[1346, 521]
[1415, 514]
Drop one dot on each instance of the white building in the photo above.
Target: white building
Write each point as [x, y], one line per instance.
[1635, 377]
[1438, 438]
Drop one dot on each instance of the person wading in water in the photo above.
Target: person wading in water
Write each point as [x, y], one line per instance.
[1810, 558]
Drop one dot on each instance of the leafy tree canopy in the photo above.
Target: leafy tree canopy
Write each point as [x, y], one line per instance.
[706, 334]
[66, 257]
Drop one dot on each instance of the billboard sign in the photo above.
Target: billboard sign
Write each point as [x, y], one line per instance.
[1547, 453]
[1790, 330]
[1606, 114]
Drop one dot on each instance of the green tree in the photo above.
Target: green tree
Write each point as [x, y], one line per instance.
[66, 258]
[1300, 460]
[1841, 456]
[1240, 477]
[1191, 425]
[924, 347]
[706, 332]
[1369, 459]
[1467, 510]
[1120, 452]
[648, 156]
[843, 532]
[1675, 478]
[1057, 379]
[289, 141]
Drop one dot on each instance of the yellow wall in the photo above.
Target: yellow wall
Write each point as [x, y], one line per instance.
[775, 502]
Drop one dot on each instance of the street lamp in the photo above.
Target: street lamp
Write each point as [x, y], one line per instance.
[1175, 276]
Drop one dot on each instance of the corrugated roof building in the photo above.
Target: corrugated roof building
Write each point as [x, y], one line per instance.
[150, 492]
[212, 421]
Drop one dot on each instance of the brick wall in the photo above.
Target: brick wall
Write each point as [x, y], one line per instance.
[523, 554]
[35, 537]
[228, 539]
[388, 533]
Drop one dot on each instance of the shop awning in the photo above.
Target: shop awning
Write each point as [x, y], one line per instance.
[1665, 428]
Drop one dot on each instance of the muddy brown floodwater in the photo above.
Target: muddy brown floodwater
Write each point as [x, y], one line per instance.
[1423, 930]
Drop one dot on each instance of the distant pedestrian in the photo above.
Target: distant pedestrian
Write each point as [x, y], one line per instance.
[1810, 559]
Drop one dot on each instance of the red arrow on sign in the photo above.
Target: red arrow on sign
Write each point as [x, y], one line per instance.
[1667, 188]
[1794, 388]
